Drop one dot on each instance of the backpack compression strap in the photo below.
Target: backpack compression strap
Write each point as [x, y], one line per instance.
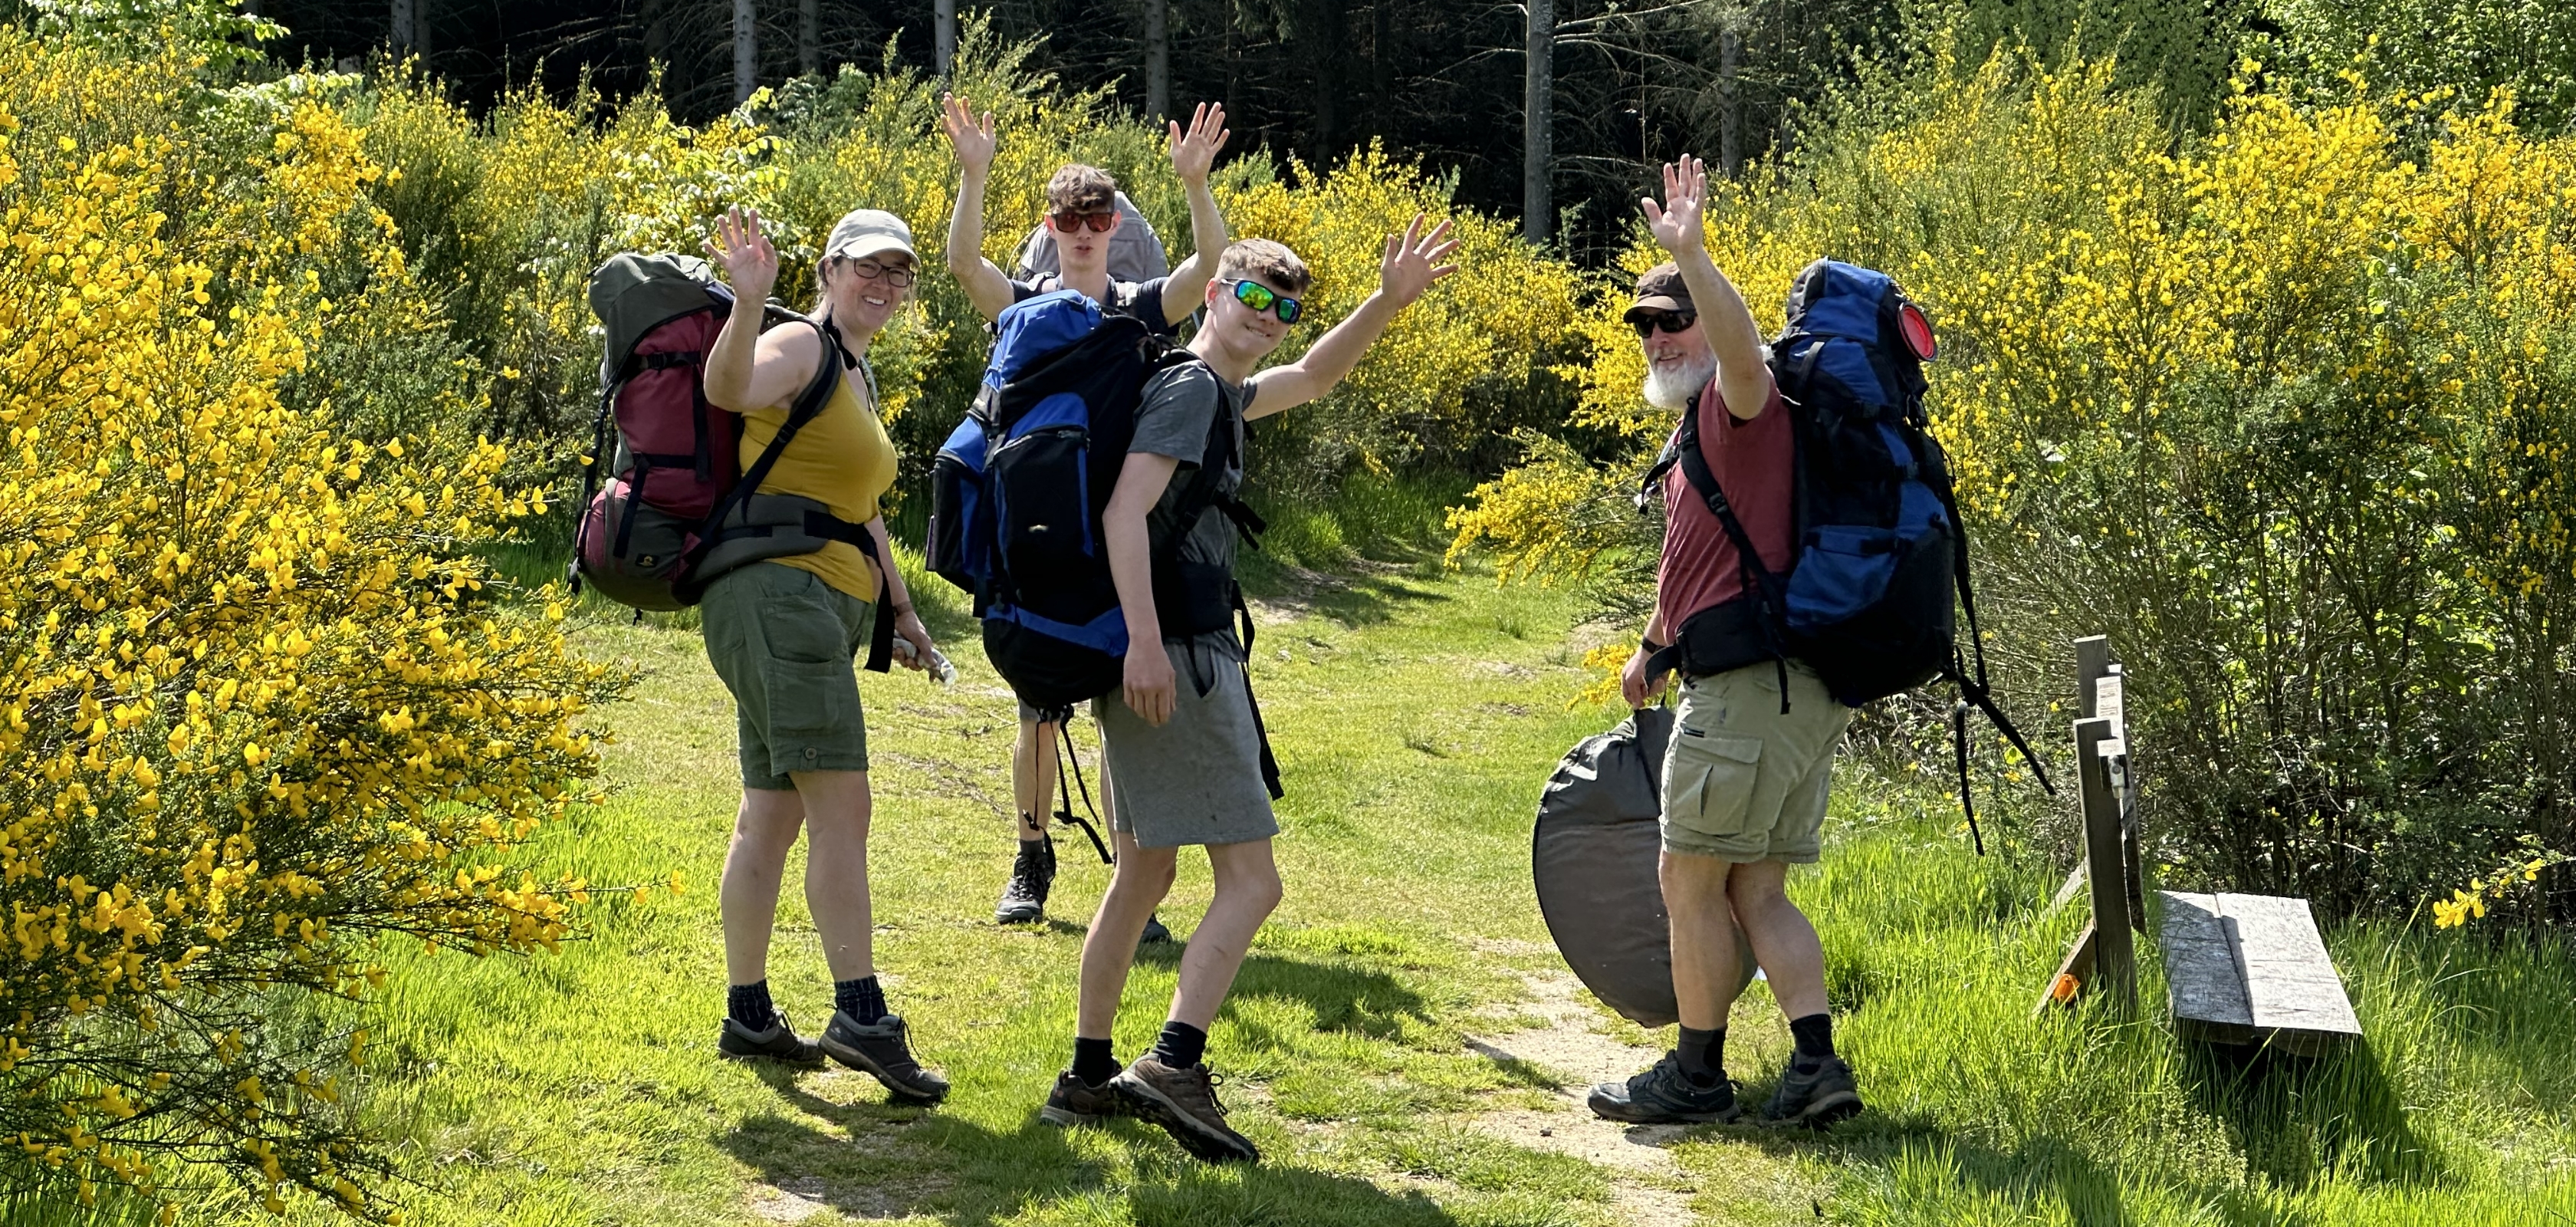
[809, 405]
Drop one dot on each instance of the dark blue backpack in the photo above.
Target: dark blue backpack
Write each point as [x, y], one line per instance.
[1018, 490]
[1881, 552]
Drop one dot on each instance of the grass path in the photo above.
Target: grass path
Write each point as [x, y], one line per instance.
[1403, 1041]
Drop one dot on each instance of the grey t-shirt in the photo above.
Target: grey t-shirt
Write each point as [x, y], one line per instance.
[1172, 420]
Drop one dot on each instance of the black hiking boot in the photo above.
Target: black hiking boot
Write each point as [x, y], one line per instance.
[1076, 1102]
[1183, 1102]
[779, 1043]
[1032, 875]
[1814, 1095]
[881, 1049]
[1154, 931]
[1664, 1095]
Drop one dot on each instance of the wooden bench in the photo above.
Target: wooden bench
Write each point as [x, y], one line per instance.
[2239, 969]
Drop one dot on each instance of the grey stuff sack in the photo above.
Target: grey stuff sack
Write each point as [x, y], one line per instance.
[1135, 252]
[1593, 858]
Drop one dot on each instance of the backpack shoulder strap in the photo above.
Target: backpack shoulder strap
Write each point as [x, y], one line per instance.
[1769, 593]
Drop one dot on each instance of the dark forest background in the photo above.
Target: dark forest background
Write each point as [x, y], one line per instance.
[1438, 80]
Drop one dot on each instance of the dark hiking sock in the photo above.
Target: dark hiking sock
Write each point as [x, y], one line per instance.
[1702, 1054]
[1092, 1061]
[862, 999]
[1182, 1045]
[749, 1005]
[1814, 1036]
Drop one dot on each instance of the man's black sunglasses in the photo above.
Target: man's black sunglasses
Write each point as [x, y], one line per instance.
[1664, 321]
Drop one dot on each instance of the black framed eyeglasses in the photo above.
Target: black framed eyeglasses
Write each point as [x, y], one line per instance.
[895, 275]
[1662, 321]
[1262, 298]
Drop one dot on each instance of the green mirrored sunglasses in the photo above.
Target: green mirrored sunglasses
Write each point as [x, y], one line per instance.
[1261, 298]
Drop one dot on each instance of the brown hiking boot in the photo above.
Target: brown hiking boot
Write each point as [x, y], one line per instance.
[1183, 1102]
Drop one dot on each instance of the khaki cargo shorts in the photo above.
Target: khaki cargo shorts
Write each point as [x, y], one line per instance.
[1744, 782]
[784, 643]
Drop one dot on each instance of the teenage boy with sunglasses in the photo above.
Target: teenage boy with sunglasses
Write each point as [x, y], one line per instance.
[1184, 759]
[1082, 215]
[1746, 777]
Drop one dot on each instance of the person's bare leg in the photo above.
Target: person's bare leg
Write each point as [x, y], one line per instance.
[1783, 940]
[764, 829]
[1247, 891]
[1706, 965]
[1033, 779]
[837, 810]
[1136, 887]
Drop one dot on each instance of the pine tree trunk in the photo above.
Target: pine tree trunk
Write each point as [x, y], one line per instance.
[1730, 102]
[746, 49]
[657, 31]
[809, 36]
[1328, 56]
[399, 27]
[943, 26]
[1538, 115]
[1381, 67]
[1158, 60]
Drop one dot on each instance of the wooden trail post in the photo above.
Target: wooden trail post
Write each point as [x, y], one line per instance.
[2114, 940]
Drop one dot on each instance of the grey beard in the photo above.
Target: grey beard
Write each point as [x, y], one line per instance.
[1672, 393]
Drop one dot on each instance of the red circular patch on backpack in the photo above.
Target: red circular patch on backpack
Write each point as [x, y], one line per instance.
[1918, 332]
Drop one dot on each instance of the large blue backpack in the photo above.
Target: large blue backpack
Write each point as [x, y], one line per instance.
[1018, 490]
[1868, 600]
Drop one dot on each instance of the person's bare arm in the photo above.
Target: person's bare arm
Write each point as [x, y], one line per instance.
[747, 370]
[1410, 266]
[907, 621]
[1635, 684]
[1743, 377]
[973, 141]
[1193, 157]
[1148, 680]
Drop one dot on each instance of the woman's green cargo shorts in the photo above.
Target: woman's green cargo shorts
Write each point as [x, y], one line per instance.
[784, 642]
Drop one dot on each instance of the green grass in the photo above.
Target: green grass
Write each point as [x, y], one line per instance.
[1416, 715]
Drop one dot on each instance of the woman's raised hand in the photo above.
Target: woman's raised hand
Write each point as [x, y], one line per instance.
[971, 138]
[749, 261]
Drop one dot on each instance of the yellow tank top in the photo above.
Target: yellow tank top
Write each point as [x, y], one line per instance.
[843, 460]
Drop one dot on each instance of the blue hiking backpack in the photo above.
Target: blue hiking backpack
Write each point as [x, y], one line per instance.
[1881, 551]
[1018, 490]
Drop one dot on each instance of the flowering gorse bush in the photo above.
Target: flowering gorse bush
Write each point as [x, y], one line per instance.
[2283, 410]
[259, 707]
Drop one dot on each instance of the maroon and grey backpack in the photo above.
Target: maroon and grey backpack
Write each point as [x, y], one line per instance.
[676, 509]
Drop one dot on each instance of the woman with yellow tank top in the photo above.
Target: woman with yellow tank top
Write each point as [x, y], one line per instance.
[783, 633]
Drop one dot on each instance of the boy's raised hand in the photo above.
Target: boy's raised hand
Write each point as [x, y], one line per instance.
[1194, 152]
[749, 260]
[1412, 263]
[1677, 223]
[971, 138]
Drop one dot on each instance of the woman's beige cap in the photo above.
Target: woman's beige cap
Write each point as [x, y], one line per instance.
[869, 232]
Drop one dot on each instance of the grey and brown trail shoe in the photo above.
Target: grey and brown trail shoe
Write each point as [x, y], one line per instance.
[1183, 1102]
[882, 1050]
[1032, 876]
[1154, 930]
[779, 1043]
[1814, 1095]
[1664, 1095]
[1076, 1102]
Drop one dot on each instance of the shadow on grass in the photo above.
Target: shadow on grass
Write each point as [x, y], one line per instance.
[1911, 1150]
[1342, 997]
[2298, 1119]
[1352, 597]
[878, 1161]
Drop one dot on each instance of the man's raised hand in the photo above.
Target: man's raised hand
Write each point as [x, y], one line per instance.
[971, 138]
[1677, 223]
[1194, 152]
[1412, 261]
[749, 260]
